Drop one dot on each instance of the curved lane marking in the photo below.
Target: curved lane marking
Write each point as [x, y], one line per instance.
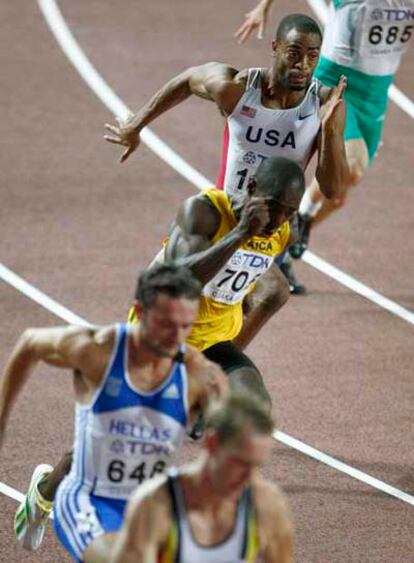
[63, 313]
[116, 105]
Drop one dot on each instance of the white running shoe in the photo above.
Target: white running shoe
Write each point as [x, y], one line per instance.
[33, 513]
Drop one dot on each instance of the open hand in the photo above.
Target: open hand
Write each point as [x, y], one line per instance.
[125, 134]
[256, 18]
[254, 216]
[333, 110]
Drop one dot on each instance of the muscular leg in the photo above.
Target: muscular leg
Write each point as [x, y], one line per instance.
[49, 484]
[270, 294]
[358, 161]
[239, 368]
[250, 378]
[315, 208]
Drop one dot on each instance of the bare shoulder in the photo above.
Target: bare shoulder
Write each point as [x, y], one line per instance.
[195, 361]
[105, 335]
[147, 521]
[92, 348]
[220, 69]
[274, 523]
[271, 505]
[150, 500]
[241, 77]
[153, 489]
[197, 212]
[93, 337]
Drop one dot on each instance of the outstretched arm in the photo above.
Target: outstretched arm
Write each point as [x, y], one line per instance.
[66, 347]
[332, 171]
[196, 224]
[256, 18]
[212, 81]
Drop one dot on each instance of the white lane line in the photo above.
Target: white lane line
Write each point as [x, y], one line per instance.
[399, 98]
[356, 286]
[15, 495]
[64, 313]
[105, 93]
[107, 96]
[10, 492]
[343, 467]
[113, 102]
[39, 297]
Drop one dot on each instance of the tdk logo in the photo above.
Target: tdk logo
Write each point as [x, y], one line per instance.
[271, 138]
[390, 15]
[254, 260]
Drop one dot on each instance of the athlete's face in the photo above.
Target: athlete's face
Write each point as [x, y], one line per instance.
[232, 466]
[295, 59]
[167, 323]
[281, 209]
[279, 212]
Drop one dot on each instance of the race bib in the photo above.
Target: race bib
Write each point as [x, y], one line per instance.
[386, 32]
[243, 169]
[233, 281]
[129, 453]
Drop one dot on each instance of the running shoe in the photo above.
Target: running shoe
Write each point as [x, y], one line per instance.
[304, 226]
[295, 287]
[32, 515]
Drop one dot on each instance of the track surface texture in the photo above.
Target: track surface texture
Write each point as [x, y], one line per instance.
[78, 225]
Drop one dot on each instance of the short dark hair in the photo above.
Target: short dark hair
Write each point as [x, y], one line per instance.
[300, 22]
[169, 278]
[237, 411]
[277, 176]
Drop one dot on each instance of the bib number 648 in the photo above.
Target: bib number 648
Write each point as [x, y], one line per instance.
[117, 471]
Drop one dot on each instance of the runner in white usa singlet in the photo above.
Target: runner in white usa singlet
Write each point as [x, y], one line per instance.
[255, 132]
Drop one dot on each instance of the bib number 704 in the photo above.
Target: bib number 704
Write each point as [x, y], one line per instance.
[239, 279]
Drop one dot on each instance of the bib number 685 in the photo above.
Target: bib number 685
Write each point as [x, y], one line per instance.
[376, 34]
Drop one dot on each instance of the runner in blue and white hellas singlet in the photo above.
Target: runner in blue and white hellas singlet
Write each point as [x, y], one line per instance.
[136, 388]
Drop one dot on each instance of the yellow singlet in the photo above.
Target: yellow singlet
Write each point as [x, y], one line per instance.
[221, 315]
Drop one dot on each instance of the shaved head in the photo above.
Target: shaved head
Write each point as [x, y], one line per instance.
[281, 179]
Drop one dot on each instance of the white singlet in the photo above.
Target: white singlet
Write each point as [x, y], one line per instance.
[230, 550]
[256, 132]
[125, 435]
